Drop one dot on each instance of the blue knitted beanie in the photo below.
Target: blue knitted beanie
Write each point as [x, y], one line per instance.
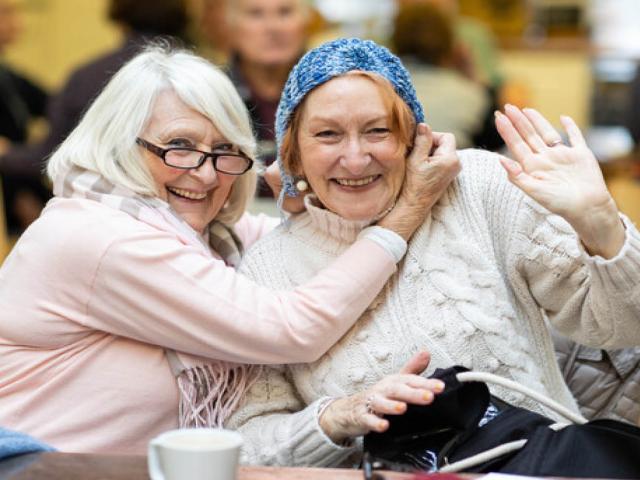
[330, 60]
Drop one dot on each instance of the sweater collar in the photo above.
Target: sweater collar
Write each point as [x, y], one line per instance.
[332, 224]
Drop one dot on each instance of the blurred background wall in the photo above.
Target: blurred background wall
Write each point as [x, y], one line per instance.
[58, 35]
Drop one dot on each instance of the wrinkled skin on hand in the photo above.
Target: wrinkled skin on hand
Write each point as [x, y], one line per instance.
[362, 412]
[431, 167]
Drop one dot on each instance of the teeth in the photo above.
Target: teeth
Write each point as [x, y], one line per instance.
[356, 183]
[187, 194]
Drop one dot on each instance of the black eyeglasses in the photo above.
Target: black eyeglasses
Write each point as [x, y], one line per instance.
[188, 158]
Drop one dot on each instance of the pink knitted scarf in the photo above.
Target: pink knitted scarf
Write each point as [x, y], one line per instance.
[210, 391]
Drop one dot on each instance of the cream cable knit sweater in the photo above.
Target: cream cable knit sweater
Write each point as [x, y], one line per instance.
[472, 290]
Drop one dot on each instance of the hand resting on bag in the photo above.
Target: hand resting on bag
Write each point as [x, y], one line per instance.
[362, 412]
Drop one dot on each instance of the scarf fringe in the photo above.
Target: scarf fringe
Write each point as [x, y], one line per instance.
[209, 394]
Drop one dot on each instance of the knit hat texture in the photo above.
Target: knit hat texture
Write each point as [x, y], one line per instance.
[330, 60]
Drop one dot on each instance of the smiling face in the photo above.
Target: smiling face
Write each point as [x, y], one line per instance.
[196, 195]
[350, 154]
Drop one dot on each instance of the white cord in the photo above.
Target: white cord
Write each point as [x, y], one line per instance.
[552, 404]
[483, 456]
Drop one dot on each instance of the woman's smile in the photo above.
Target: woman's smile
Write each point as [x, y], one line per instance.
[357, 184]
[188, 195]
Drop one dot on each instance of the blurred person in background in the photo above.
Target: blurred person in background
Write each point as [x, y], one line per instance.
[139, 20]
[423, 36]
[212, 30]
[21, 101]
[266, 38]
[475, 55]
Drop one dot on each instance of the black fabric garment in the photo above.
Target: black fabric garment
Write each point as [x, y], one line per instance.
[66, 108]
[449, 426]
[20, 100]
[264, 127]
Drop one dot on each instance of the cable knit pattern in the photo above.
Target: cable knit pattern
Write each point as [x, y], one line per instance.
[477, 281]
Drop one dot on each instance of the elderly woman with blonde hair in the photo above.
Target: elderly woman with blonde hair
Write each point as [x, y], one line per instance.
[509, 243]
[119, 301]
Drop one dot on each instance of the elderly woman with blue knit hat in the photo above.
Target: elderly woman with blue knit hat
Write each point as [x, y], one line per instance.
[509, 244]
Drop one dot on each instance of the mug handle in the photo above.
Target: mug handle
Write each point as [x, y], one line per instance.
[153, 462]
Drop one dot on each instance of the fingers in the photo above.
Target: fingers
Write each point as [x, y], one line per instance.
[272, 177]
[373, 423]
[422, 143]
[404, 388]
[517, 175]
[417, 364]
[443, 143]
[519, 148]
[382, 405]
[549, 134]
[525, 128]
[573, 132]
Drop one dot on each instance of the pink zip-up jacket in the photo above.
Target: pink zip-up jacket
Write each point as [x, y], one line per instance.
[90, 298]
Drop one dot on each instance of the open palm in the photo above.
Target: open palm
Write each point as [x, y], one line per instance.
[565, 179]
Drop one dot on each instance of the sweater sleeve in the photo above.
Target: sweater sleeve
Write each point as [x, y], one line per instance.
[154, 289]
[279, 430]
[591, 300]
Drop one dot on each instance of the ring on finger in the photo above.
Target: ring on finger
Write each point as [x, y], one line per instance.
[553, 143]
[369, 405]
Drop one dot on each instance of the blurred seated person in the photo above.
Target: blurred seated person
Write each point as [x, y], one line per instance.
[423, 37]
[21, 101]
[476, 57]
[120, 300]
[212, 31]
[510, 240]
[139, 21]
[266, 38]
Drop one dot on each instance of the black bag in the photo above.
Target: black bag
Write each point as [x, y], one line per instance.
[446, 437]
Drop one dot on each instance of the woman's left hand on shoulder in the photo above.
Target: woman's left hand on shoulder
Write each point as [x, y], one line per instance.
[565, 179]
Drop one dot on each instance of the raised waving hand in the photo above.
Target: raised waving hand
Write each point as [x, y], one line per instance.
[565, 179]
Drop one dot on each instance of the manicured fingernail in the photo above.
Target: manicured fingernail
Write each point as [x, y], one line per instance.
[427, 395]
[399, 407]
[439, 386]
[382, 425]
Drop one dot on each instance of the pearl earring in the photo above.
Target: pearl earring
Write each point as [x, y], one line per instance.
[302, 185]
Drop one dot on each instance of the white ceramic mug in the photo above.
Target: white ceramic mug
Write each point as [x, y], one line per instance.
[194, 454]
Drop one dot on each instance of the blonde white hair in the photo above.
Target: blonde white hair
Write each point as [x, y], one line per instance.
[105, 139]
